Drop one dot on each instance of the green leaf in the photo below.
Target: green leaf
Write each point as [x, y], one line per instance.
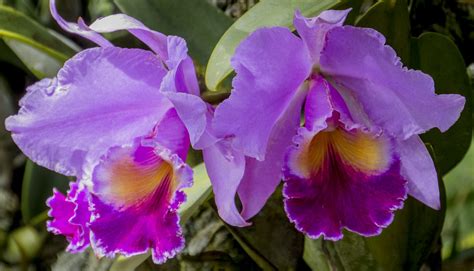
[197, 194]
[439, 57]
[315, 255]
[6, 142]
[8, 56]
[272, 241]
[129, 263]
[6, 109]
[37, 186]
[265, 13]
[37, 61]
[458, 231]
[391, 18]
[23, 244]
[197, 21]
[15, 25]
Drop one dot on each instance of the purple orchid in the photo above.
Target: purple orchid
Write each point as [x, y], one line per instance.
[359, 152]
[121, 121]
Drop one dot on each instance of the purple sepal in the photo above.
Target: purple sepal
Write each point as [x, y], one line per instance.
[80, 28]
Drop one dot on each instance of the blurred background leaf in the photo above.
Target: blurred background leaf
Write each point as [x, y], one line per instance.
[392, 19]
[38, 184]
[458, 231]
[37, 61]
[15, 25]
[197, 194]
[6, 109]
[35, 47]
[8, 56]
[438, 56]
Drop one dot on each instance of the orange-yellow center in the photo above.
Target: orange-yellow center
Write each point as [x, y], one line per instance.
[360, 150]
[133, 182]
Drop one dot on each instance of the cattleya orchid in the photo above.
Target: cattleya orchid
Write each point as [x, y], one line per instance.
[116, 119]
[358, 154]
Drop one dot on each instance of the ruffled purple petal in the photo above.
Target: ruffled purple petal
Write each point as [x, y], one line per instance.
[80, 28]
[225, 168]
[271, 64]
[102, 97]
[70, 216]
[338, 179]
[136, 195]
[399, 100]
[313, 30]
[261, 178]
[418, 169]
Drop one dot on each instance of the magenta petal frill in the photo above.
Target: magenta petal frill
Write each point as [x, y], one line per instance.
[70, 216]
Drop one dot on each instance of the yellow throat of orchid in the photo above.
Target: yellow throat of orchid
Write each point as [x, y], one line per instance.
[134, 182]
[361, 151]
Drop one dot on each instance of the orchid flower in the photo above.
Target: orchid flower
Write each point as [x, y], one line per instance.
[358, 154]
[116, 119]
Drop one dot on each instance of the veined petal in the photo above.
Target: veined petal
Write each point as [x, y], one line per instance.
[261, 178]
[102, 97]
[339, 179]
[70, 216]
[271, 65]
[136, 195]
[399, 100]
[225, 167]
[313, 30]
[419, 170]
[80, 28]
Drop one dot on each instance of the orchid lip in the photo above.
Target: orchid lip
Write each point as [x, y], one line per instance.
[338, 179]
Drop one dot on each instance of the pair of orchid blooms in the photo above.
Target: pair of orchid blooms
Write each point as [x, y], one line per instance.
[122, 120]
